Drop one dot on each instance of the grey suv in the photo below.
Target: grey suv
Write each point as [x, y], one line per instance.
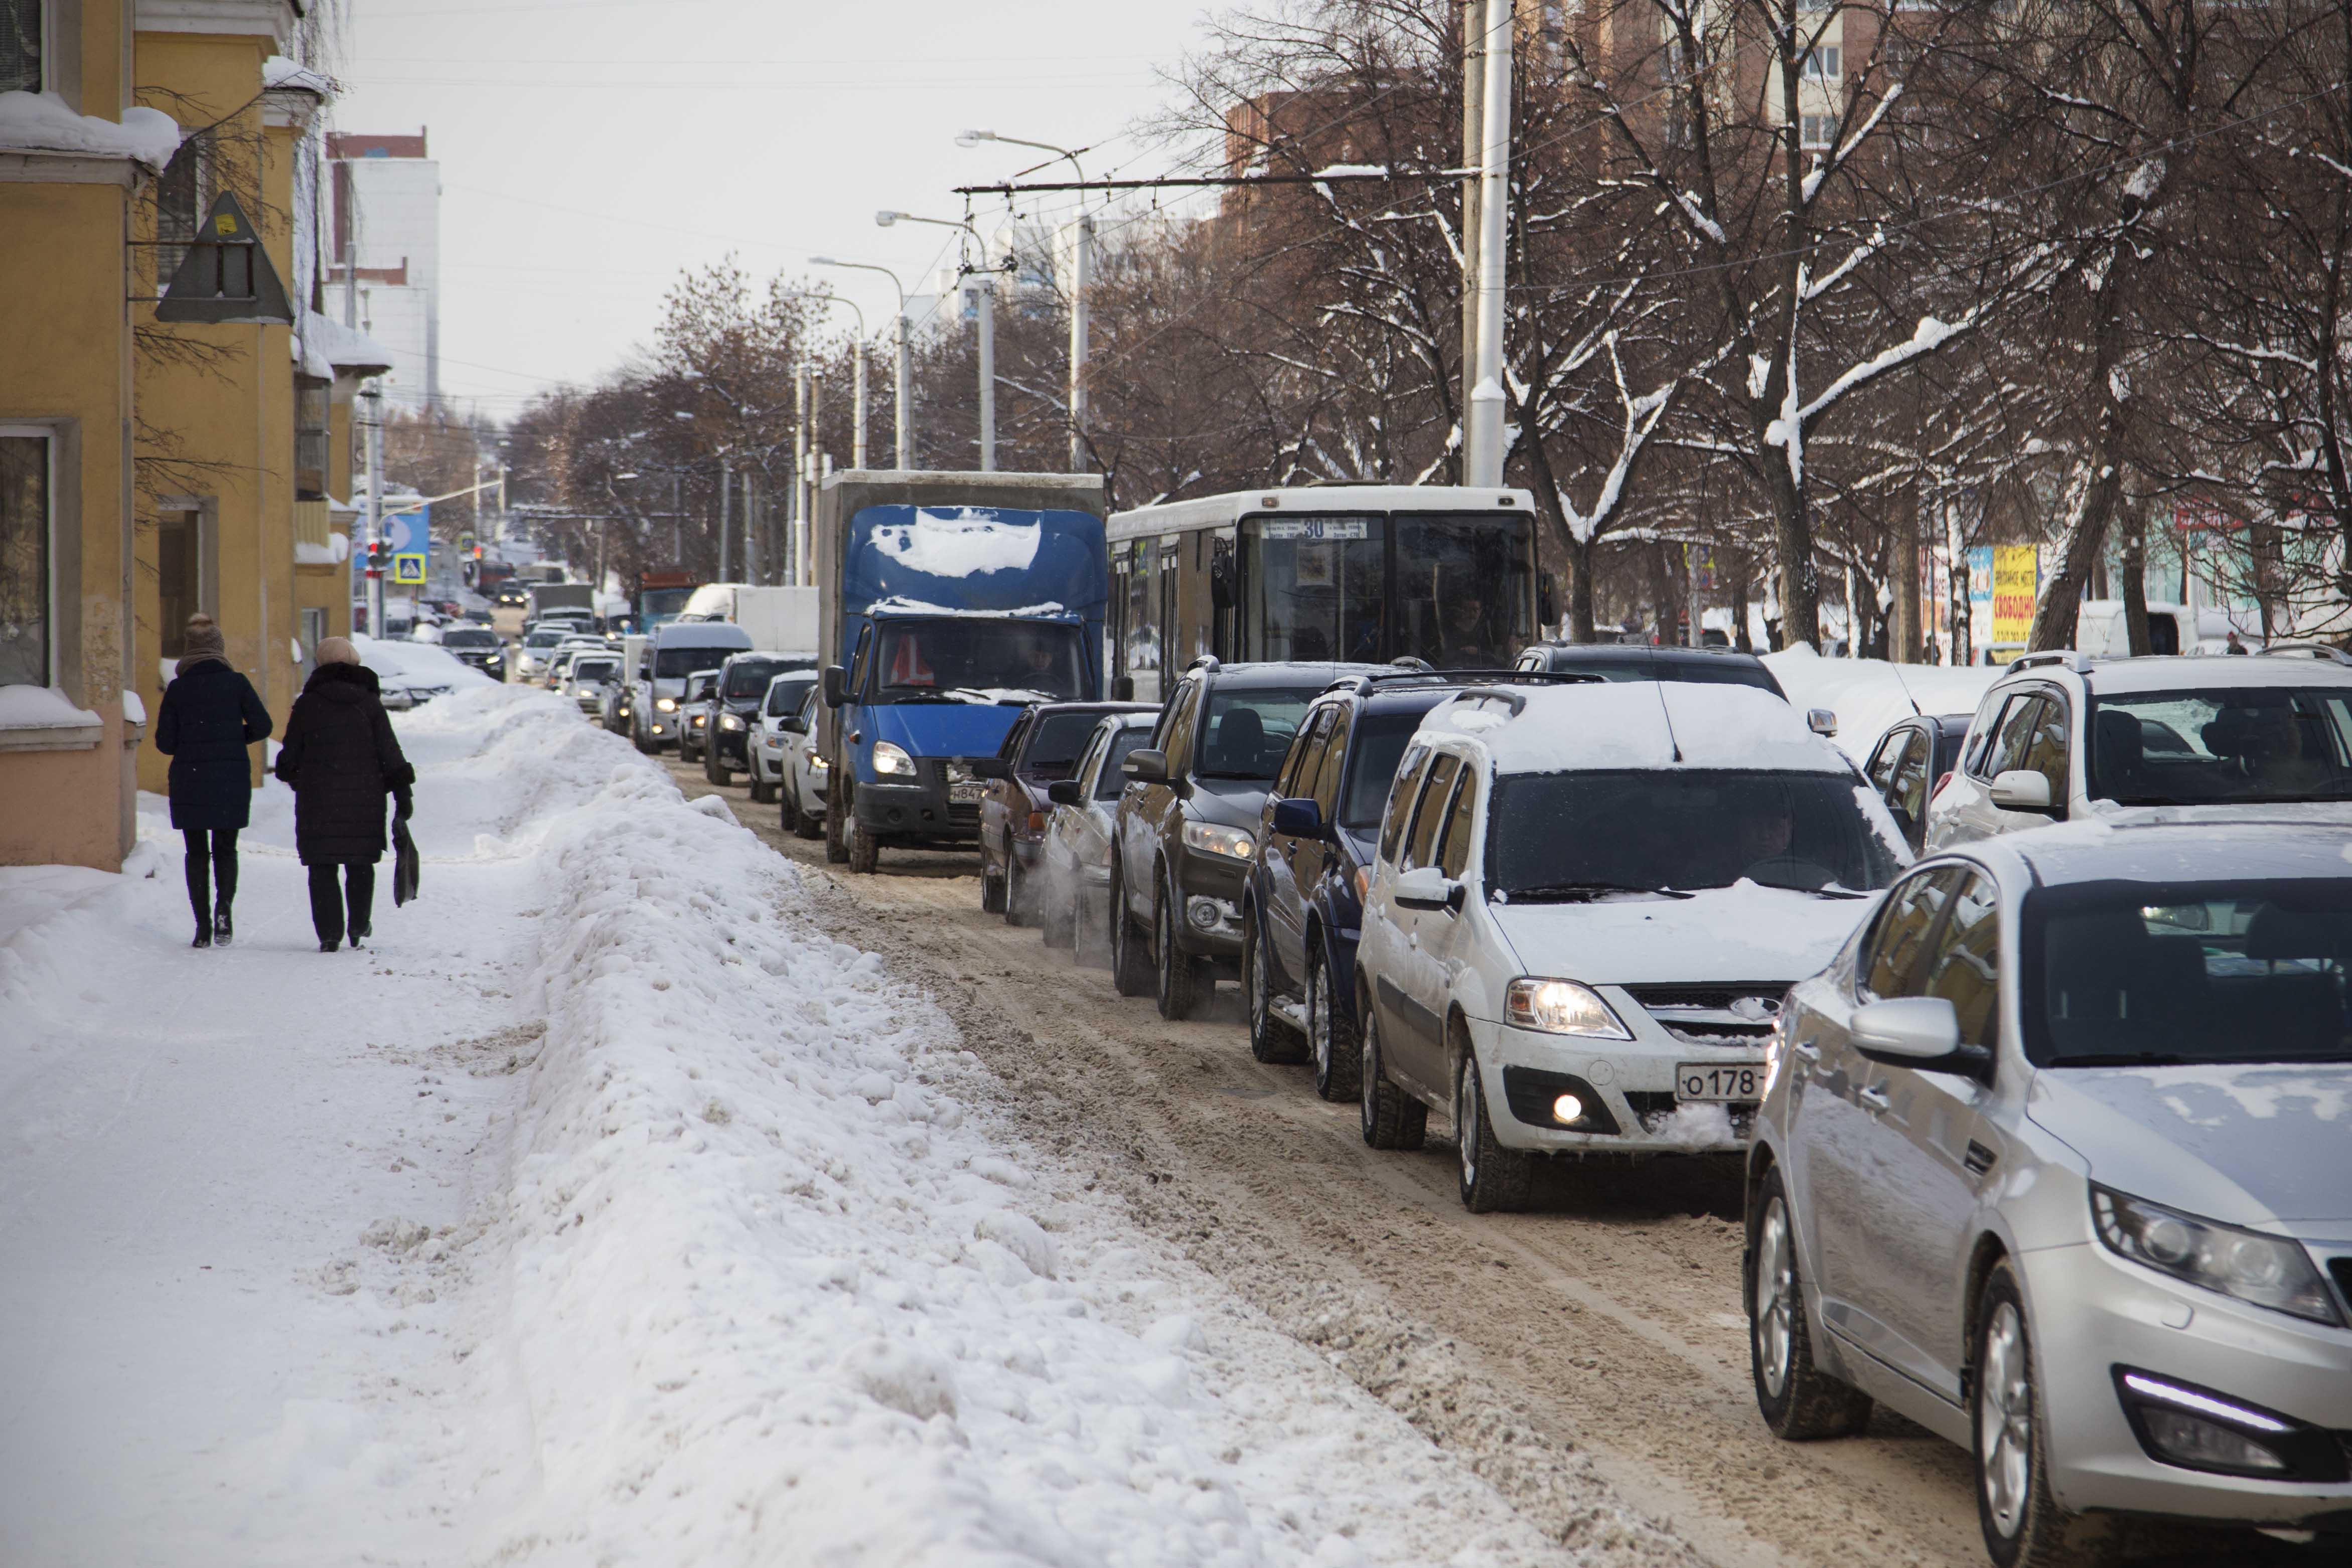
[1187, 825]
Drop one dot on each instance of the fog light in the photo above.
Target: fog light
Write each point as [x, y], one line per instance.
[2205, 1445]
[1567, 1109]
[1203, 913]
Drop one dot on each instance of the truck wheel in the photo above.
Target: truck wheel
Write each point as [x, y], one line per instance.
[1179, 975]
[836, 812]
[1130, 965]
[864, 851]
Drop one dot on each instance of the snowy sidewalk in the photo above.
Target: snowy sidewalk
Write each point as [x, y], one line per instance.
[603, 1214]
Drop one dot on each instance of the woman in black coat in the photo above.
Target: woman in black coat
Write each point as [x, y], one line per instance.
[341, 758]
[211, 714]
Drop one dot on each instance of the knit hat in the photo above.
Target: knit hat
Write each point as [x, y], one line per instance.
[335, 651]
[201, 643]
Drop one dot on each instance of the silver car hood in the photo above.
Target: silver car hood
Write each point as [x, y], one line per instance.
[1744, 932]
[2247, 1144]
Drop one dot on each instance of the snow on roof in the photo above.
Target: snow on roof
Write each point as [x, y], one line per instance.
[326, 346]
[279, 74]
[42, 123]
[959, 541]
[42, 708]
[2199, 672]
[1639, 724]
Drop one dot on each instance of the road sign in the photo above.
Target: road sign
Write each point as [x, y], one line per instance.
[410, 538]
[224, 273]
[408, 569]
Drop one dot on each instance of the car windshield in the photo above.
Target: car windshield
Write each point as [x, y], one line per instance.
[747, 678]
[677, 664]
[1110, 782]
[1379, 744]
[547, 639]
[593, 669]
[468, 637]
[977, 659]
[2200, 748]
[1582, 835]
[786, 696]
[2146, 974]
[1249, 730]
[1055, 742]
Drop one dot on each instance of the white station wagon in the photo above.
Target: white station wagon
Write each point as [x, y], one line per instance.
[1587, 905]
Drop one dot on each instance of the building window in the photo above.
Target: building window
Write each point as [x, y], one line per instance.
[1817, 131]
[24, 589]
[179, 578]
[1822, 63]
[20, 46]
[180, 198]
[309, 440]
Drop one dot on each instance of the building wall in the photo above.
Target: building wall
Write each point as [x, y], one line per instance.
[388, 205]
[65, 358]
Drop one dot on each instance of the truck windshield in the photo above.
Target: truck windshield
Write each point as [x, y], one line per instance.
[977, 659]
[2198, 747]
[1574, 837]
[659, 606]
[1461, 590]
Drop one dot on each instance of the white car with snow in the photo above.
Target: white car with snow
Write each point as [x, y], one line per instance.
[1586, 905]
[2063, 736]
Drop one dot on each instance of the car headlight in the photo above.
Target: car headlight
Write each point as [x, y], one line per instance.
[730, 721]
[2268, 1270]
[818, 765]
[889, 757]
[665, 705]
[1235, 844]
[1561, 1007]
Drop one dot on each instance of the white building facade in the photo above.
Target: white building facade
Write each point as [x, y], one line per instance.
[387, 229]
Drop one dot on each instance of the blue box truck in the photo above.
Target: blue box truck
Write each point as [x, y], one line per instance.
[947, 603]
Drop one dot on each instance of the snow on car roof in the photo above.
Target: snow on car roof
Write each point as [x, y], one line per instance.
[1638, 723]
[2202, 673]
[2264, 844]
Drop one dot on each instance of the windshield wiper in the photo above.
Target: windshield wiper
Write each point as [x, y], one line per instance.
[2123, 1058]
[1816, 892]
[1585, 892]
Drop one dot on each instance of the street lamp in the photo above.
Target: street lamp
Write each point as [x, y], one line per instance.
[905, 438]
[857, 371]
[1082, 266]
[987, 334]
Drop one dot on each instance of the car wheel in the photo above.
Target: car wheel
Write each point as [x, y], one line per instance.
[763, 792]
[714, 766]
[1494, 1179]
[1392, 1118]
[788, 808]
[836, 812]
[1799, 1401]
[1271, 1039]
[644, 739]
[991, 890]
[864, 851]
[1178, 988]
[2024, 1526]
[1130, 963]
[1016, 890]
[1330, 1042]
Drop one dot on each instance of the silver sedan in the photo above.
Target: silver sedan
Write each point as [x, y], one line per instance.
[2056, 1159]
[1074, 860]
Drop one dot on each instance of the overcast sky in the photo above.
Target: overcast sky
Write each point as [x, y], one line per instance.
[590, 148]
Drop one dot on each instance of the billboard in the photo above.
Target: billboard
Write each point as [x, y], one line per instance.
[2003, 580]
[408, 539]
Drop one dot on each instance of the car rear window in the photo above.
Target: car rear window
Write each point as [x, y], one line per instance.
[1054, 742]
[784, 696]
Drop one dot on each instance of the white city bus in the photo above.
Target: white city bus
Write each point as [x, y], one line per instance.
[1369, 572]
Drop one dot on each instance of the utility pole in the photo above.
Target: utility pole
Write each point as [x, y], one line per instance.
[1082, 271]
[373, 397]
[726, 499]
[987, 373]
[1485, 444]
[857, 404]
[800, 573]
[1473, 132]
[750, 525]
[677, 522]
[800, 446]
[903, 431]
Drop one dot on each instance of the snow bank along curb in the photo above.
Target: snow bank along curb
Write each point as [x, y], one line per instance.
[771, 1292]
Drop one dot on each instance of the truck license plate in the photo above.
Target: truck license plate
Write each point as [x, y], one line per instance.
[965, 791]
[1721, 1081]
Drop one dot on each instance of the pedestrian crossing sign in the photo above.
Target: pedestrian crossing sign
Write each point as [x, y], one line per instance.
[408, 569]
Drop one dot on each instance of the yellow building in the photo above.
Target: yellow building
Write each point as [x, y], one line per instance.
[75, 161]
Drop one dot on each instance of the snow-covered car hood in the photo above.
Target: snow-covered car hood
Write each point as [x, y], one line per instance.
[2241, 1142]
[1744, 932]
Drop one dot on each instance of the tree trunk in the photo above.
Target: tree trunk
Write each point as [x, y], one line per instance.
[1736, 571]
[1903, 563]
[2133, 568]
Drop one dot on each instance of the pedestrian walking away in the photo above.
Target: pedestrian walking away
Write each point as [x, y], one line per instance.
[342, 759]
[211, 716]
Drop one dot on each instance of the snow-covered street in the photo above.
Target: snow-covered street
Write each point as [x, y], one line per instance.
[603, 1211]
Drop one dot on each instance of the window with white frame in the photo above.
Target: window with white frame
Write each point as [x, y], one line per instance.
[26, 592]
[1821, 62]
[1817, 132]
[20, 46]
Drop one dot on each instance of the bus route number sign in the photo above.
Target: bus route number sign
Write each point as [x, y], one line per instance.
[1313, 528]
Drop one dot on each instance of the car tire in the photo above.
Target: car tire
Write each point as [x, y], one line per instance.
[788, 808]
[864, 851]
[1176, 974]
[1271, 1039]
[1392, 1118]
[714, 766]
[1494, 1180]
[992, 886]
[1016, 890]
[763, 792]
[1130, 963]
[836, 812]
[1800, 1403]
[1332, 1044]
[2023, 1525]
[643, 739]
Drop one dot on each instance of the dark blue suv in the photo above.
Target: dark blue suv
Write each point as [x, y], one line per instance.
[1316, 833]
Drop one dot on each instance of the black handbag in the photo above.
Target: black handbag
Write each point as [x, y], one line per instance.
[404, 863]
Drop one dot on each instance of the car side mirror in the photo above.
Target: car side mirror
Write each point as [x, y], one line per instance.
[1065, 792]
[1426, 887]
[988, 768]
[1821, 722]
[1146, 766]
[1918, 1031]
[835, 680]
[1299, 817]
[2021, 789]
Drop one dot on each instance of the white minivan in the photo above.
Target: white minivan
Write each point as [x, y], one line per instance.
[672, 652]
[1586, 905]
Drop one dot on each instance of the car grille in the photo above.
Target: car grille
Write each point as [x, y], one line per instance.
[1652, 1107]
[1735, 1014]
[964, 814]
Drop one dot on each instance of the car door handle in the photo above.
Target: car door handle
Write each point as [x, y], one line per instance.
[1979, 1159]
[1874, 1100]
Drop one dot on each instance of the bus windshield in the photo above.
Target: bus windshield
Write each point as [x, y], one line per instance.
[1462, 594]
[1314, 587]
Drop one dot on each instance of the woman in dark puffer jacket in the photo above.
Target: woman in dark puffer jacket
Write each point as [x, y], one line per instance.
[341, 758]
[211, 714]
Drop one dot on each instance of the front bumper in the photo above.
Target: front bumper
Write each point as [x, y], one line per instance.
[1631, 1080]
[2091, 1311]
[1210, 889]
[919, 808]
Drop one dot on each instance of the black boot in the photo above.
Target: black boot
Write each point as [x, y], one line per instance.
[328, 946]
[204, 936]
[222, 930]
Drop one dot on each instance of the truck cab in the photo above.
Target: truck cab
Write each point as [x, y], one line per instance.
[949, 603]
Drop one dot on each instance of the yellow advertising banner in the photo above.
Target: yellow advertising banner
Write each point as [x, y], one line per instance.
[2016, 577]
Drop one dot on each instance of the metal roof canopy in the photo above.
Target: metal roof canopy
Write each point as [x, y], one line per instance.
[226, 276]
